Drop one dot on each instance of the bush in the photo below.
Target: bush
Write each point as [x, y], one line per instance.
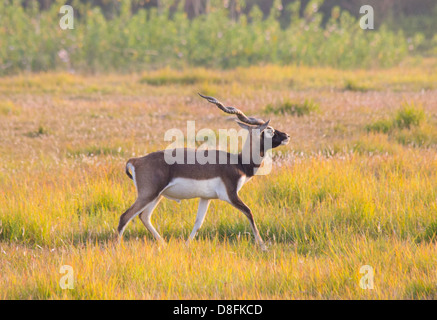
[384, 126]
[423, 136]
[293, 108]
[41, 131]
[408, 127]
[351, 85]
[409, 115]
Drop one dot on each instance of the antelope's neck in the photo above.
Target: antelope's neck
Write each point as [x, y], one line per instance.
[249, 168]
[249, 160]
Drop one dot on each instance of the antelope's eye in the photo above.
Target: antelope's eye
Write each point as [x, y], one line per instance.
[269, 132]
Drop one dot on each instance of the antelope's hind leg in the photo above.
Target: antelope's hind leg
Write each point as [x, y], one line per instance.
[139, 206]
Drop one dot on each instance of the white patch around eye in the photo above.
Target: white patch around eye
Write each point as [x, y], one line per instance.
[269, 132]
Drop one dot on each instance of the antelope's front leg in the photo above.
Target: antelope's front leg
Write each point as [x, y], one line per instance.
[240, 205]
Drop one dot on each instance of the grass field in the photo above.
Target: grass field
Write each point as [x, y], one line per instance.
[357, 185]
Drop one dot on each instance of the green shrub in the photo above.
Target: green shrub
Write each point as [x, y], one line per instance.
[407, 126]
[383, 126]
[293, 108]
[423, 136]
[408, 116]
[38, 133]
[351, 85]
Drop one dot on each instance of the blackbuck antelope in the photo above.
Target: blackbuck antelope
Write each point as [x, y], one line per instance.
[154, 178]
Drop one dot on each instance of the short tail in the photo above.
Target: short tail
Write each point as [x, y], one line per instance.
[128, 164]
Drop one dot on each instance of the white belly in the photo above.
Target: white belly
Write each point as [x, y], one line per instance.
[184, 188]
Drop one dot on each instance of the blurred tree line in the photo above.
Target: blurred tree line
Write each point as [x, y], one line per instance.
[410, 15]
[135, 35]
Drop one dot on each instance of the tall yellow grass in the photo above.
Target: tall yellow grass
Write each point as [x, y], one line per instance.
[339, 196]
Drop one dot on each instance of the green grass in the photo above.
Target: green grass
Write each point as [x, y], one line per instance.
[408, 126]
[407, 117]
[91, 151]
[293, 108]
[171, 77]
[384, 126]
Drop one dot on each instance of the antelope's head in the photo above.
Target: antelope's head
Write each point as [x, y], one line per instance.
[257, 128]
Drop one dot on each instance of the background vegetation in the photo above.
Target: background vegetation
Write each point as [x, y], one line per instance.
[127, 40]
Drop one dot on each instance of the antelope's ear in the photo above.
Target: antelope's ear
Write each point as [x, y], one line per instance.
[263, 126]
[244, 126]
